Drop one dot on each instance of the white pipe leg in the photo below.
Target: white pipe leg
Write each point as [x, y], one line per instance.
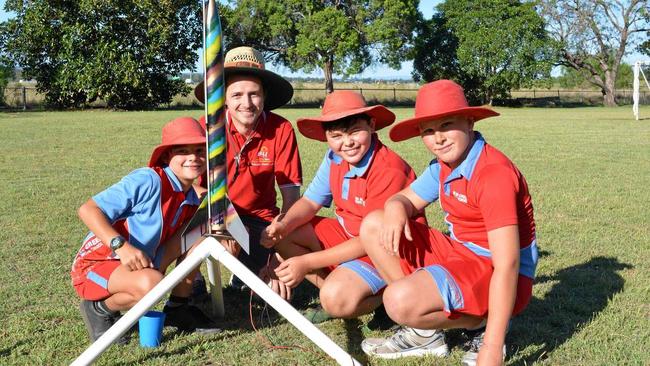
[216, 290]
[193, 260]
[283, 307]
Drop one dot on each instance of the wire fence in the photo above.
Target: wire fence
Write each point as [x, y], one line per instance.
[26, 97]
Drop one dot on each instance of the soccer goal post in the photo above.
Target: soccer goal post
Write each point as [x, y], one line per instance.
[636, 95]
[211, 249]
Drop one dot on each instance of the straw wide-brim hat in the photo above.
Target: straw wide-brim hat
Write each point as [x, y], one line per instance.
[341, 104]
[180, 131]
[249, 61]
[435, 100]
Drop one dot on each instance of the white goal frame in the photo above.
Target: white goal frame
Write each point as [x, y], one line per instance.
[638, 71]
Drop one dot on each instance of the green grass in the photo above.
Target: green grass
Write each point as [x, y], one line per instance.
[588, 170]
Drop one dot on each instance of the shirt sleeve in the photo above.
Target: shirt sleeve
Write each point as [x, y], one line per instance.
[131, 194]
[497, 190]
[319, 189]
[288, 169]
[427, 185]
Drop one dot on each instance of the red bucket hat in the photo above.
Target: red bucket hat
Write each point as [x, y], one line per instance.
[436, 100]
[181, 131]
[340, 104]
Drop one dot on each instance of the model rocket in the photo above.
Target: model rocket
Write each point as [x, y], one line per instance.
[216, 216]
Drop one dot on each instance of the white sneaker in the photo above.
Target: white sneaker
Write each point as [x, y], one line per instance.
[407, 342]
[473, 345]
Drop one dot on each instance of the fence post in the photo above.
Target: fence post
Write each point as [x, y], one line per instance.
[534, 94]
[558, 94]
[24, 99]
[394, 96]
[361, 91]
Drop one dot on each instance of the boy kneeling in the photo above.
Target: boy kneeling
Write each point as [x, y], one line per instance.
[487, 262]
[358, 173]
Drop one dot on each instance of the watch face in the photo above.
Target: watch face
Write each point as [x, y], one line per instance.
[117, 242]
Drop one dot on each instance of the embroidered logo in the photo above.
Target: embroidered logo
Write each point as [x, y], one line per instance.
[461, 197]
[359, 201]
[262, 157]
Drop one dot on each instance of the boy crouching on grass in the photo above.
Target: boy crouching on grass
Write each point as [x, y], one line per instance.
[135, 228]
[487, 262]
[358, 173]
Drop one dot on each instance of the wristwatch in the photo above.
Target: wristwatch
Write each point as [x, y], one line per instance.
[117, 242]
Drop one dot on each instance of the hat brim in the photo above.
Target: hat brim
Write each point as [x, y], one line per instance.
[277, 90]
[160, 150]
[313, 127]
[409, 128]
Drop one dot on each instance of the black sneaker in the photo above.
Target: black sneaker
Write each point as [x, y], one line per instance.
[199, 290]
[98, 322]
[473, 343]
[189, 318]
[380, 320]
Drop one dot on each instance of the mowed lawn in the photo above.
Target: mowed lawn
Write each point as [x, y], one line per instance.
[588, 170]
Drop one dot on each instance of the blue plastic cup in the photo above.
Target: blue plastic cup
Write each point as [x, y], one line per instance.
[150, 328]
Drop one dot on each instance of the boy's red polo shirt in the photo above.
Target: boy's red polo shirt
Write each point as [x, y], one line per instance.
[358, 190]
[270, 156]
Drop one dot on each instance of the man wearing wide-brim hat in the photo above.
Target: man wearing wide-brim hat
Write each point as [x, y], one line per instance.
[262, 150]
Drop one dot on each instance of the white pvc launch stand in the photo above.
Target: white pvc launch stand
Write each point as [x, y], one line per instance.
[211, 250]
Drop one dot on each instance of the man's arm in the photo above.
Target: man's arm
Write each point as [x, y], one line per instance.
[299, 214]
[504, 245]
[290, 195]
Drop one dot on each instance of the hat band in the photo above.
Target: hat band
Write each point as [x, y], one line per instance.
[250, 64]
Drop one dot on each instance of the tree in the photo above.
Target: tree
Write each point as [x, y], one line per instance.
[493, 46]
[336, 36]
[592, 36]
[122, 51]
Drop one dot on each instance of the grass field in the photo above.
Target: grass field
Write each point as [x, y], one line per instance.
[588, 170]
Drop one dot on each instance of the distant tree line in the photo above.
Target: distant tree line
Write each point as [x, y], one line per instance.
[125, 51]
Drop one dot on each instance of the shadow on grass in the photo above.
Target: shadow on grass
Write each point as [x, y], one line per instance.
[578, 294]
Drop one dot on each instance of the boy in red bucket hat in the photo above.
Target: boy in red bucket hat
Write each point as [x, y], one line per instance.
[487, 262]
[358, 173]
[134, 234]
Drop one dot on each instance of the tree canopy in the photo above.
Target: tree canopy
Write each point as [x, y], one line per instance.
[592, 36]
[336, 36]
[122, 51]
[489, 47]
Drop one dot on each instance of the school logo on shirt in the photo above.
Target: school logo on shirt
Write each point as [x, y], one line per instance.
[262, 157]
[461, 197]
[359, 201]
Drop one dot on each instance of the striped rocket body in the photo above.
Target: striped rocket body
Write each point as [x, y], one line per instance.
[215, 114]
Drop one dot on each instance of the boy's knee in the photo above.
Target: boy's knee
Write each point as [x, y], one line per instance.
[372, 223]
[147, 281]
[397, 305]
[335, 301]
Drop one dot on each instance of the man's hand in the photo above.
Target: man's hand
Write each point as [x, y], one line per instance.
[267, 274]
[292, 271]
[133, 258]
[273, 233]
[231, 246]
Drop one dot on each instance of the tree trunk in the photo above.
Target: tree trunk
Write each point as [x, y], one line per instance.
[328, 69]
[609, 91]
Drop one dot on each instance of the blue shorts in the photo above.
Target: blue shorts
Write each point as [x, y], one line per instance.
[367, 273]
